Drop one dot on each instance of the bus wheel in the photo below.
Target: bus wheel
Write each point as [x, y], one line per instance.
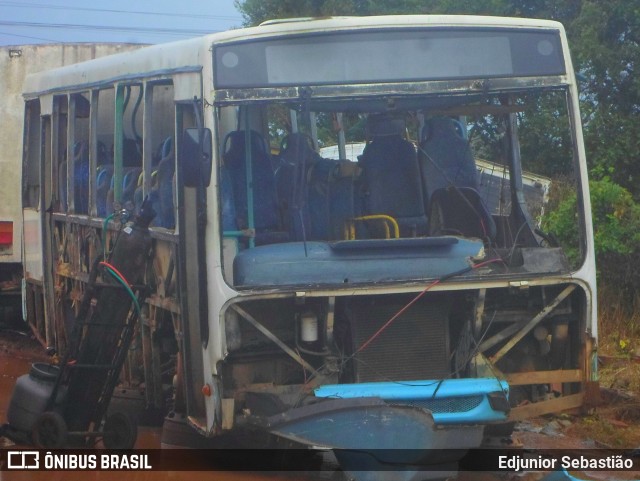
[120, 431]
[49, 431]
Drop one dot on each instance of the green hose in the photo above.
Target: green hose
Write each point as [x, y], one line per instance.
[105, 226]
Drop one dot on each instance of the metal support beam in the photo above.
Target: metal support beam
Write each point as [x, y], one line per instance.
[271, 336]
[521, 329]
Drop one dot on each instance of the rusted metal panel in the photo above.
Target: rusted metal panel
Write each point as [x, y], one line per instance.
[405, 88]
[523, 328]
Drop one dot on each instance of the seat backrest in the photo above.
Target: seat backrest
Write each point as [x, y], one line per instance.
[391, 181]
[81, 177]
[445, 156]
[129, 183]
[264, 193]
[294, 162]
[103, 185]
[167, 147]
[460, 211]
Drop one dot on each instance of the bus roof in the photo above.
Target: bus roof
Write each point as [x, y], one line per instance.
[190, 55]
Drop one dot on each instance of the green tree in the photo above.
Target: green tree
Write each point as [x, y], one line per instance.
[257, 11]
[605, 40]
[616, 219]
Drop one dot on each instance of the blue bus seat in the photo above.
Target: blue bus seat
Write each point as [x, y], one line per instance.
[446, 157]
[342, 205]
[81, 177]
[391, 181]
[103, 185]
[167, 147]
[266, 219]
[129, 183]
[460, 211]
[153, 196]
[295, 161]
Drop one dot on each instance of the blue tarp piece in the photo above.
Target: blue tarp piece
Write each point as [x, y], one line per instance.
[452, 401]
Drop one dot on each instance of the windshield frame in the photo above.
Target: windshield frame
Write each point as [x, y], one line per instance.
[494, 273]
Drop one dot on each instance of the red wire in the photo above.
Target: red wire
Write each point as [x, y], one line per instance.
[490, 261]
[110, 266]
[412, 302]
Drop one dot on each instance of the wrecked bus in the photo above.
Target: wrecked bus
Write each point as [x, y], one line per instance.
[403, 300]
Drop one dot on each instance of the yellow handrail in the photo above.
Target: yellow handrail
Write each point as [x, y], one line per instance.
[350, 228]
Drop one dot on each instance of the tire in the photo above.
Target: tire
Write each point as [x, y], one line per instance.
[119, 432]
[49, 431]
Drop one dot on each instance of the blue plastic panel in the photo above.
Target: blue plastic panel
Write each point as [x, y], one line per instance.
[420, 393]
[325, 264]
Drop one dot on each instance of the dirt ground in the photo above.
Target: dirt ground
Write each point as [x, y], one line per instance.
[615, 424]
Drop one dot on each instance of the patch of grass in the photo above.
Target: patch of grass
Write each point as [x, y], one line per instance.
[606, 430]
[618, 321]
[615, 424]
[619, 340]
[621, 374]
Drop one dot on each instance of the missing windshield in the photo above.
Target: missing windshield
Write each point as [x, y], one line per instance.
[316, 196]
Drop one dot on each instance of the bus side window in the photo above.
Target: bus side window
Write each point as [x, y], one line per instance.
[59, 152]
[158, 175]
[104, 138]
[132, 146]
[266, 217]
[32, 142]
[80, 109]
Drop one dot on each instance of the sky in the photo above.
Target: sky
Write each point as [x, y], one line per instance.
[144, 21]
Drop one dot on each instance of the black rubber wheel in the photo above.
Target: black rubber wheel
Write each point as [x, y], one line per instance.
[119, 432]
[49, 431]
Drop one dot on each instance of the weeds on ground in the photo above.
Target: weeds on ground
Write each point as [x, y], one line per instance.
[619, 341]
[615, 424]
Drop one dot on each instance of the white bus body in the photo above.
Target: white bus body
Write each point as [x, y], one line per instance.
[288, 285]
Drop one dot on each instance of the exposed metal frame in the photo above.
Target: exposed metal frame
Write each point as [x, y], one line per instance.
[450, 87]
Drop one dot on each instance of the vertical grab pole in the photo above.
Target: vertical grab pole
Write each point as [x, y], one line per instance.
[93, 153]
[249, 169]
[118, 144]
